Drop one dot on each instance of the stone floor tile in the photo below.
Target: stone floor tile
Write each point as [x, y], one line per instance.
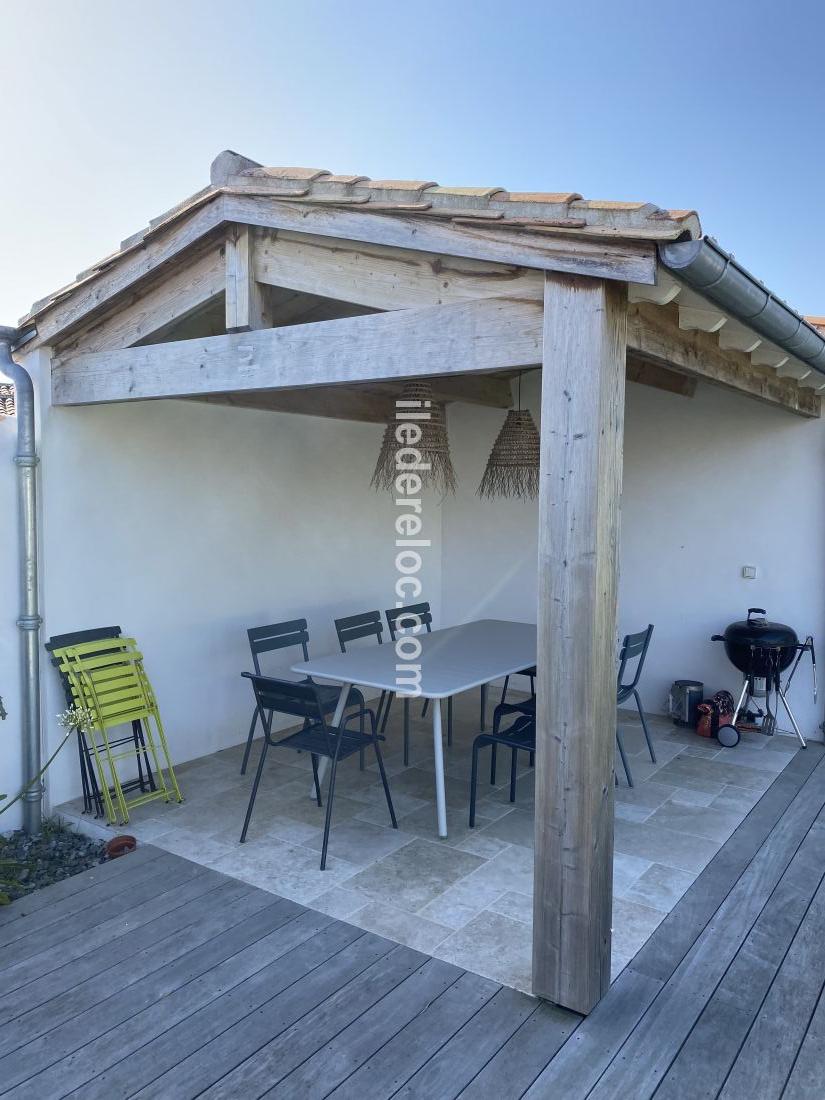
[517, 827]
[416, 874]
[662, 845]
[700, 821]
[659, 887]
[411, 930]
[516, 906]
[492, 945]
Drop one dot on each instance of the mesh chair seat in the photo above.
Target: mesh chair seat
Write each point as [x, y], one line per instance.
[320, 740]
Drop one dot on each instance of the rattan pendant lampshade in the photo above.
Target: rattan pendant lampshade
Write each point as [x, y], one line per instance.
[416, 405]
[513, 466]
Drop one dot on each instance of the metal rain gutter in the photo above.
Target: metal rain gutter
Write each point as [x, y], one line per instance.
[29, 622]
[714, 273]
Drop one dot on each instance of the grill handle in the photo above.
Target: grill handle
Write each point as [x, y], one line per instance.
[753, 610]
[717, 637]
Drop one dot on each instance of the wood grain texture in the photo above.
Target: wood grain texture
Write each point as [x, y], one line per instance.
[246, 306]
[489, 335]
[631, 261]
[149, 311]
[582, 418]
[117, 276]
[383, 277]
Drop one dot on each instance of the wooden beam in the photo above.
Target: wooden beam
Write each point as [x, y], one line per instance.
[654, 332]
[335, 402]
[647, 373]
[630, 261]
[384, 278]
[493, 391]
[582, 418]
[145, 312]
[489, 335]
[100, 287]
[245, 303]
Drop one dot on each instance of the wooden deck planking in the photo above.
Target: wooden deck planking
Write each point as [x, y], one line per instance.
[152, 977]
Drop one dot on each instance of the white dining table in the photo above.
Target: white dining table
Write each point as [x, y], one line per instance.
[452, 660]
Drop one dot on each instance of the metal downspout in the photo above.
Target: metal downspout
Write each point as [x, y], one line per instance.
[29, 622]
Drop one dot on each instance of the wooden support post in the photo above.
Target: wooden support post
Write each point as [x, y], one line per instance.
[245, 302]
[582, 417]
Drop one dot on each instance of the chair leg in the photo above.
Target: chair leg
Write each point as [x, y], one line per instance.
[493, 765]
[449, 721]
[513, 762]
[254, 793]
[386, 699]
[249, 738]
[623, 755]
[504, 689]
[406, 733]
[380, 760]
[315, 777]
[330, 793]
[361, 761]
[532, 760]
[483, 706]
[473, 785]
[643, 717]
[425, 708]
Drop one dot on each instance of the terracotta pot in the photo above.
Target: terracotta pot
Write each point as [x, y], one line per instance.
[120, 846]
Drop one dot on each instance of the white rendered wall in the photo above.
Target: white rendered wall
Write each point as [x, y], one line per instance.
[710, 484]
[186, 523]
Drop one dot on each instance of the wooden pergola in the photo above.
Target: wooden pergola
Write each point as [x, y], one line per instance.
[299, 291]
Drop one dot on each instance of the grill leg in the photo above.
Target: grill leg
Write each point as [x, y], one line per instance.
[789, 712]
[741, 703]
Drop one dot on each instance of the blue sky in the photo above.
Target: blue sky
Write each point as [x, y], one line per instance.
[112, 111]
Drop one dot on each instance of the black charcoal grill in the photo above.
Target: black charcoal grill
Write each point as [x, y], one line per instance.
[763, 651]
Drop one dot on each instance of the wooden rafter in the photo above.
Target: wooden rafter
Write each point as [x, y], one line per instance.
[149, 312]
[654, 332]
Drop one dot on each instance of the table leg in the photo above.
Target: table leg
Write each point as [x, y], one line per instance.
[484, 706]
[340, 707]
[438, 755]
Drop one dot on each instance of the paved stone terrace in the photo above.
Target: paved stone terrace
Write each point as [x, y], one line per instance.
[157, 977]
[468, 899]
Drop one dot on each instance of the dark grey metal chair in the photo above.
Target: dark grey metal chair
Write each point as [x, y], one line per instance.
[634, 648]
[286, 635]
[401, 619]
[303, 700]
[351, 628]
[520, 736]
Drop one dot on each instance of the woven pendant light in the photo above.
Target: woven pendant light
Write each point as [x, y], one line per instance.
[513, 466]
[416, 405]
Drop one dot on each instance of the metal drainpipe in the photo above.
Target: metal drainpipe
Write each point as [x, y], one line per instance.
[26, 460]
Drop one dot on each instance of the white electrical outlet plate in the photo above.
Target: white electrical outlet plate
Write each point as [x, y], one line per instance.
[749, 572]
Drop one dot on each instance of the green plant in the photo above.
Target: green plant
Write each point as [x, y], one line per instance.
[74, 718]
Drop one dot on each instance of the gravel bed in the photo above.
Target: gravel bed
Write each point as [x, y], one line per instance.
[54, 854]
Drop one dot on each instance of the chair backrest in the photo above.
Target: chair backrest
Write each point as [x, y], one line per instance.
[299, 700]
[76, 637]
[352, 627]
[409, 618]
[634, 647]
[263, 639]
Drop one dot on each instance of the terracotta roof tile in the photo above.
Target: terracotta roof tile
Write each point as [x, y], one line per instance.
[561, 212]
